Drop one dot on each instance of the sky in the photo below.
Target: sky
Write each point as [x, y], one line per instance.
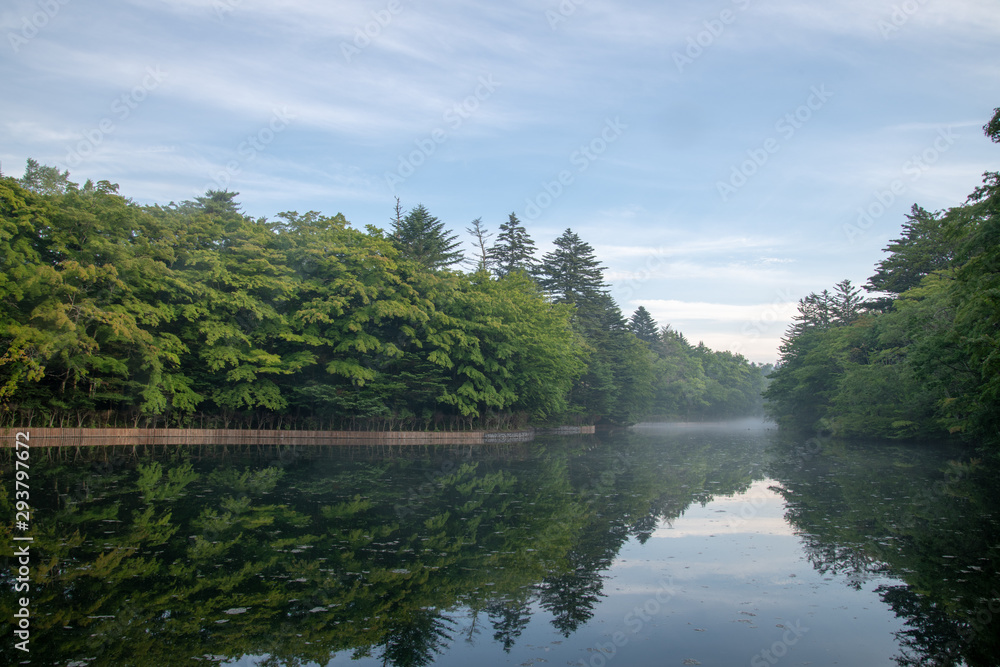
[723, 158]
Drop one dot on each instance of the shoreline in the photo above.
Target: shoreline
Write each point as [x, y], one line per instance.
[139, 437]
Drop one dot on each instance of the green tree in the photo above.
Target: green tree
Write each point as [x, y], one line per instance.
[976, 297]
[234, 286]
[422, 237]
[526, 349]
[85, 321]
[618, 384]
[921, 250]
[571, 272]
[644, 326]
[514, 250]
[45, 180]
[810, 363]
[992, 128]
[847, 302]
[922, 364]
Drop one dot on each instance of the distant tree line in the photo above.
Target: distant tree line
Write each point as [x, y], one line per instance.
[921, 357]
[195, 314]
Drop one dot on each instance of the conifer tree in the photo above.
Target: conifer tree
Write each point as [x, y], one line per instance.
[644, 326]
[422, 237]
[921, 250]
[571, 272]
[514, 250]
[847, 302]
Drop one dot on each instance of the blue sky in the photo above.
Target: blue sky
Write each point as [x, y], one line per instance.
[724, 158]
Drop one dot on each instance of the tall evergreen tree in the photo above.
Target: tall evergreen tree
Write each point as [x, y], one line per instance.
[571, 272]
[514, 250]
[422, 237]
[847, 302]
[644, 326]
[922, 250]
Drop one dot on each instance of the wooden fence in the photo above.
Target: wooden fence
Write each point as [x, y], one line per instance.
[137, 437]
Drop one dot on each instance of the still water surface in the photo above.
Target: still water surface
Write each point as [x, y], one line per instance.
[715, 544]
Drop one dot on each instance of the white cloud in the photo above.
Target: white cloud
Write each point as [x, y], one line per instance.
[668, 310]
[674, 246]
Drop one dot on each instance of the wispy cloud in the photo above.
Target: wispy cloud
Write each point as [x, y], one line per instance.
[648, 205]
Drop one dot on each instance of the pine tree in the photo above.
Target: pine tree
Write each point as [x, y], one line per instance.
[422, 237]
[847, 302]
[644, 326]
[514, 250]
[922, 250]
[571, 272]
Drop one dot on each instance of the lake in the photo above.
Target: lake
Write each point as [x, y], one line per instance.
[670, 544]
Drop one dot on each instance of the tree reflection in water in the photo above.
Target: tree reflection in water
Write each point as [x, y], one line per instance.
[866, 511]
[161, 558]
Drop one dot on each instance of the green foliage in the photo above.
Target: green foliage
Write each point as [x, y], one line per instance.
[923, 363]
[112, 313]
[696, 383]
[921, 251]
[513, 251]
[151, 476]
[644, 326]
[253, 482]
[422, 237]
[571, 273]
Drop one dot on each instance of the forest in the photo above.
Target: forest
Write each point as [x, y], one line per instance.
[195, 314]
[920, 357]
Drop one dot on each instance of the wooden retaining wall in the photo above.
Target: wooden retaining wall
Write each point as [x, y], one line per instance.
[136, 437]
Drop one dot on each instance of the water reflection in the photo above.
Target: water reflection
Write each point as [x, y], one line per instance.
[311, 556]
[919, 514]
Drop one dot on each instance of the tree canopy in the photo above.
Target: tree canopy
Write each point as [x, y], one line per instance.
[197, 314]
